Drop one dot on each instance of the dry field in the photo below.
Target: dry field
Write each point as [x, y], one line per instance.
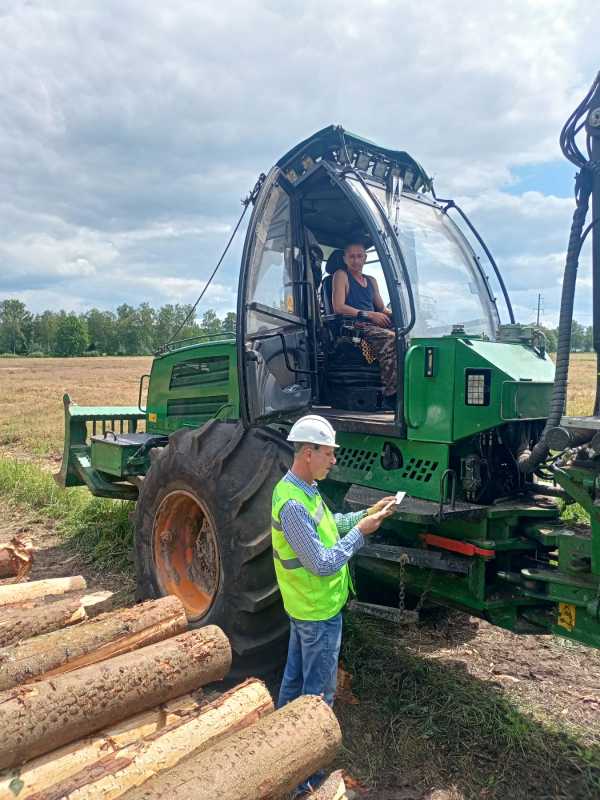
[31, 390]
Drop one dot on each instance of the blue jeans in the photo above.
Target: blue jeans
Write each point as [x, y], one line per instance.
[312, 660]
[311, 668]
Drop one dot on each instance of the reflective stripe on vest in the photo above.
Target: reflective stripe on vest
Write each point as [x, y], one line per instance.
[306, 596]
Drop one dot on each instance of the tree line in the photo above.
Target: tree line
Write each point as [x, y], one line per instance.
[133, 331]
[127, 331]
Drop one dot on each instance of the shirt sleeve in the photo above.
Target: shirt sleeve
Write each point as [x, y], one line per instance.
[301, 534]
[345, 522]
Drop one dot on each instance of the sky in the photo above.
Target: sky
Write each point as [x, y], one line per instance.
[129, 131]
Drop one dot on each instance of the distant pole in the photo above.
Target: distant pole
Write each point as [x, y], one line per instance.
[538, 311]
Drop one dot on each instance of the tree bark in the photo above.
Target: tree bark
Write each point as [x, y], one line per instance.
[17, 593]
[35, 617]
[104, 637]
[107, 636]
[333, 788]
[35, 719]
[262, 762]
[16, 558]
[43, 772]
[133, 765]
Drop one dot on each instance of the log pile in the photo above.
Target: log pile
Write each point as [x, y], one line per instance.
[107, 704]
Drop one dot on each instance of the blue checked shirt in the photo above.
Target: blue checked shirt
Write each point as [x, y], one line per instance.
[301, 533]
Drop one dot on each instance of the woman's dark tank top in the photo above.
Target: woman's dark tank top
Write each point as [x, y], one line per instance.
[358, 296]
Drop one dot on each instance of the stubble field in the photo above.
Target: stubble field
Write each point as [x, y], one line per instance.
[451, 710]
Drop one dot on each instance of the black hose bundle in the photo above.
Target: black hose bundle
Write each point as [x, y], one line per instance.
[529, 460]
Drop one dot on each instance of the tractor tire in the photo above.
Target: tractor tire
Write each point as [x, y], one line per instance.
[203, 533]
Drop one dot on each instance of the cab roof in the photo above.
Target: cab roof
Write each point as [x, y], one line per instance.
[365, 156]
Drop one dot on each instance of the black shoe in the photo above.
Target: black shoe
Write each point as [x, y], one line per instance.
[389, 402]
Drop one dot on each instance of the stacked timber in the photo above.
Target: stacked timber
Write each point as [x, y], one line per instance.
[34, 617]
[108, 705]
[106, 636]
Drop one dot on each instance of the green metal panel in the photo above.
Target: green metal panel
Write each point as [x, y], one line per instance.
[191, 385]
[82, 421]
[521, 400]
[514, 360]
[520, 385]
[510, 365]
[429, 406]
[359, 461]
[111, 455]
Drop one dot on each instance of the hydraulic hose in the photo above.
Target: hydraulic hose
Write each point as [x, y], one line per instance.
[528, 460]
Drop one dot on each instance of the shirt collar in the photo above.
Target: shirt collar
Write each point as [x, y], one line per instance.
[309, 489]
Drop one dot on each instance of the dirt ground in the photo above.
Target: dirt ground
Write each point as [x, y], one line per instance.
[54, 559]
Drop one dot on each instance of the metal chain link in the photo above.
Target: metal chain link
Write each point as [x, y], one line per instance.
[407, 617]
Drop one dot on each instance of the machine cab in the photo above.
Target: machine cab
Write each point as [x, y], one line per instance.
[294, 352]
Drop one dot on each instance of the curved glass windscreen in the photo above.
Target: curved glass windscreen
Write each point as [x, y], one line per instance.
[447, 286]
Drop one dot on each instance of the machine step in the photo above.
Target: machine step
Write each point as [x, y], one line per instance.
[384, 612]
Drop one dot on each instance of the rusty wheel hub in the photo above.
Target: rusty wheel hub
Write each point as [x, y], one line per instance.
[186, 552]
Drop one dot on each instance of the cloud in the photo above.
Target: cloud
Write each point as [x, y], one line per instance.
[131, 130]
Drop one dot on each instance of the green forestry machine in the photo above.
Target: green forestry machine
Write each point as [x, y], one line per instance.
[478, 440]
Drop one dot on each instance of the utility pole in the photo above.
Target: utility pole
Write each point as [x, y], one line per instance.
[538, 310]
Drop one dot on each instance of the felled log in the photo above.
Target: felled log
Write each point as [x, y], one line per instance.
[133, 765]
[333, 788]
[104, 637]
[264, 761]
[37, 718]
[16, 558]
[35, 617]
[43, 772]
[18, 592]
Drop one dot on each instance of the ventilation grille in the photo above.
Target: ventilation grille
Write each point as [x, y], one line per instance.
[419, 469]
[360, 460]
[200, 372]
[196, 406]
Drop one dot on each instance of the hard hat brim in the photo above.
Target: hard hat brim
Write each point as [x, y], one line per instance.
[303, 441]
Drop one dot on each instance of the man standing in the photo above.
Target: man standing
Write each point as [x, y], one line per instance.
[311, 560]
[357, 295]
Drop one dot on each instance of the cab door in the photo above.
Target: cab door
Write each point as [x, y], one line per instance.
[275, 354]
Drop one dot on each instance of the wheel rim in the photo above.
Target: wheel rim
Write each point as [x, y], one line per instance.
[186, 553]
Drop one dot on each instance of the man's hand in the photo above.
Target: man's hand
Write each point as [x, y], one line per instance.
[371, 523]
[380, 318]
[381, 504]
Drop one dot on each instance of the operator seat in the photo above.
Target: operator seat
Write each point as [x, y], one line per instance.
[348, 380]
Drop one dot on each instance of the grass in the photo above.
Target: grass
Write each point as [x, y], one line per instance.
[99, 529]
[424, 723]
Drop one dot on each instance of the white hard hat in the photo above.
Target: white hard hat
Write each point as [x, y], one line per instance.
[313, 429]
